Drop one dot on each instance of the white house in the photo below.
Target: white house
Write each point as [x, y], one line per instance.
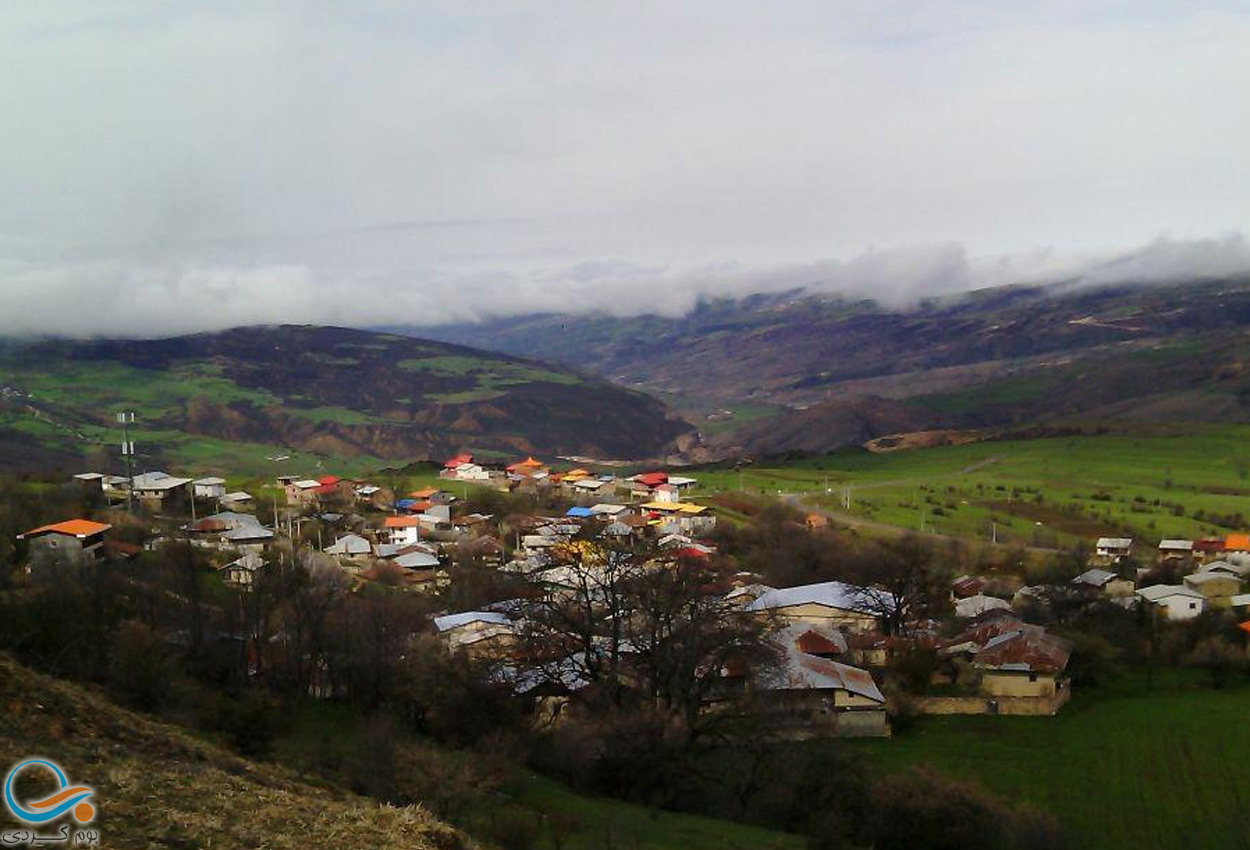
[209, 488]
[1114, 547]
[1177, 602]
[404, 530]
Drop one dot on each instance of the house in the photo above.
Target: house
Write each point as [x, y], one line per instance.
[301, 492]
[973, 606]
[1023, 662]
[350, 546]
[1237, 544]
[1218, 588]
[416, 561]
[592, 489]
[665, 493]
[403, 530]
[1170, 550]
[1176, 602]
[91, 482]
[209, 488]
[1105, 582]
[433, 495]
[160, 491]
[1001, 665]
[248, 537]
[242, 572]
[1208, 547]
[806, 695]
[476, 633]
[1113, 548]
[237, 499]
[74, 540]
[380, 498]
[829, 603]
[1238, 568]
[681, 517]
[528, 468]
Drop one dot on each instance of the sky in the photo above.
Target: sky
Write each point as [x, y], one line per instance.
[175, 166]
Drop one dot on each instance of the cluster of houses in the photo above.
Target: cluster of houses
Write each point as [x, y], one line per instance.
[1217, 571]
[831, 641]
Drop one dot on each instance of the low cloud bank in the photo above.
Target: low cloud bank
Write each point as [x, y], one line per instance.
[104, 298]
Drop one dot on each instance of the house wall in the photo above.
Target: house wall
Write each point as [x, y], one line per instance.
[1218, 593]
[992, 705]
[1119, 587]
[825, 615]
[1181, 608]
[815, 713]
[1003, 684]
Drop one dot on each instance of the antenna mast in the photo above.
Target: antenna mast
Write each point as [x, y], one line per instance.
[128, 455]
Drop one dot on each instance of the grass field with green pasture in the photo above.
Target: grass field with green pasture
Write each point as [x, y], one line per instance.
[1125, 769]
[1050, 491]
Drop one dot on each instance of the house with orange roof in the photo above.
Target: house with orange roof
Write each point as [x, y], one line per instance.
[403, 530]
[1237, 543]
[530, 468]
[78, 540]
[433, 495]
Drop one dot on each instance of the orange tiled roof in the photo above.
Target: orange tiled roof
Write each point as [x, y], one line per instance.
[402, 521]
[72, 527]
[1237, 542]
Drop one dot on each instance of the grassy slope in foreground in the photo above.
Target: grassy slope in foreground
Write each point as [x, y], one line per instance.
[157, 786]
[1147, 771]
[1207, 469]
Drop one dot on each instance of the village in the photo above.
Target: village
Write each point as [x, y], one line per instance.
[832, 647]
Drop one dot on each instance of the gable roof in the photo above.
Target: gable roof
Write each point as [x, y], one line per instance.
[833, 594]
[1094, 578]
[350, 544]
[1114, 542]
[1177, 545]
[402, 522]
[1027, 649]
[157, 481]
[452, 621]
[800, 671]
[1157, 592]
[79, 528]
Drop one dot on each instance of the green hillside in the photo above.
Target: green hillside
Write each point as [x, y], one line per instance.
[1047, 491]
[242, 395]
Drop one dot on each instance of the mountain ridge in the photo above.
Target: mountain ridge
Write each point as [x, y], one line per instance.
[331, 391]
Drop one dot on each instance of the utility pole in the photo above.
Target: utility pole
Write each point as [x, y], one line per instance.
[128, 455]
[993, 532]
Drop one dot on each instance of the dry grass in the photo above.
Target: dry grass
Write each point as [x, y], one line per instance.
[156, 786]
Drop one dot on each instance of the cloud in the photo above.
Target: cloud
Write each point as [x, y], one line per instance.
[177, 166]
[108, 299]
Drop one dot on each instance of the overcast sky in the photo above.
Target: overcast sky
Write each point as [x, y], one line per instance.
[170, 166]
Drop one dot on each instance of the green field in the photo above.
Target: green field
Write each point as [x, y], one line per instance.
[1129, 770]
[1048, 492]
[605, 822]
